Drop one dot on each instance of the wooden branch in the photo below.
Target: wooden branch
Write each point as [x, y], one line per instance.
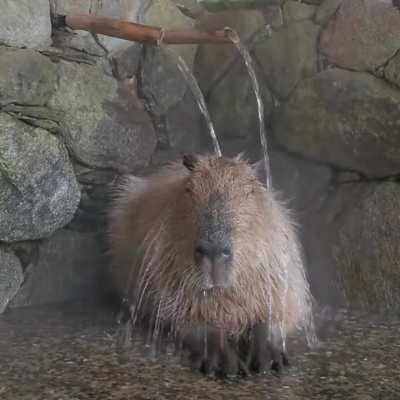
[140, 33]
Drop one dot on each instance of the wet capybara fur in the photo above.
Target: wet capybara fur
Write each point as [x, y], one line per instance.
[203, 247]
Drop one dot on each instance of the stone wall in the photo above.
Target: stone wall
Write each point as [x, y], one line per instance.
[76, 112]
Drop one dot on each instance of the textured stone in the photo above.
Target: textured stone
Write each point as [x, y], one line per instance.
[218, 5]
[297, 11]
[211, 60]
[360, 227]
[326, 11]
[186, 129]
[26, 77]
[42, 117]
[302, 184]
[348, 119]
[82, 40]
[392, 70]
[233, 107]
[100, 126]
[165, 14]
[38, 189]
[288, 56]
[68, 267]
[163, 84]
[11, 277]
[363, 35]
[25, 23]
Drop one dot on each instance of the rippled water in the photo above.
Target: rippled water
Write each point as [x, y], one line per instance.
[69, 352]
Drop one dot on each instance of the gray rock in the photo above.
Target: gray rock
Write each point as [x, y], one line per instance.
[163, 84]
[233, 107]
[41, 117]
[68, 266]
[186, 129]
[213, 61]
[348, 119]
[101, 126]
[294, 10]
[363, 35]
[392, 70]
[273, 16]
[11, 277]
[219, 5]
[39, 192]
[165, 14]
[359, 225]
[127, 61]
[288, 56]
[82, 40]
[326, 11]
[302, 184]
[26, 77]
[25, 23]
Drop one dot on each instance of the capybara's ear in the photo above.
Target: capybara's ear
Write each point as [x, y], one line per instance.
[190, 161]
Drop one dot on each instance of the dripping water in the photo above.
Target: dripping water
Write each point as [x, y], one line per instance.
[197, 93]
[205, 338]
[260, 105]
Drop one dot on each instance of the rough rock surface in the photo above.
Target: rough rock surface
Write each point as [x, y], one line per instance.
[297, 11]
[25, 23]
[101, 128]
[233, 106]
[163, 84]
[392, 70]
[68, 266]
[82, 40]
[326, 10]
[38, 189]
[289, 55]
[165, 14]
[301, 183]
[211, 60]
[347, 119]
[363, 35]
[359, 224]
[26, 77]
[186, 128]
[11, 277]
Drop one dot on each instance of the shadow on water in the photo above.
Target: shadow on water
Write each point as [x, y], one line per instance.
[70, 352]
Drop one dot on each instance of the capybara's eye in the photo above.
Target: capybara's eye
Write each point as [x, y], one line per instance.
[226, 252]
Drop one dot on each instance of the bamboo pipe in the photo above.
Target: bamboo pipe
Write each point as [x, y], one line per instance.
[138, 32]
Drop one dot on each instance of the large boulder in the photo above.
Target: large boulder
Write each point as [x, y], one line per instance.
[11, 277]
[100, 126]
[165, 14]
[392, 70]
[67, 266]
[288, 56]
[347, 119]
[25, 23]
[82, 40]
[297, 11]
[358, 229]
[26, 77]
[363, 35]
[327, 10]
[233, 105]
[218, 5]
[38, 189]
[163, 84]
[212, 61]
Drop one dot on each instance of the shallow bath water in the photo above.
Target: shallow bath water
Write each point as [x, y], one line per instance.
[69, 352]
